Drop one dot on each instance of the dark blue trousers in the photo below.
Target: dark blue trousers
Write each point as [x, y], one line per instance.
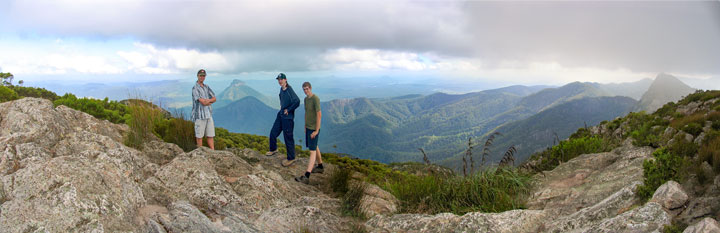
[285, 124]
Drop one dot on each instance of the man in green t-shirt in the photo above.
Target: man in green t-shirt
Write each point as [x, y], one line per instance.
[313, 117]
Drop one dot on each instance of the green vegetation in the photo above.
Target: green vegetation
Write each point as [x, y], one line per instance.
[143, 121]
[7, 94]
[105, 109]
[665, 167]
[578, 144]
[676, 227]
[35, 92]
[490, 190]
[675, 157]
[351, 200]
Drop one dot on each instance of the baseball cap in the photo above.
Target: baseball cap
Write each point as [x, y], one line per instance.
[201, 72]
[281, 76]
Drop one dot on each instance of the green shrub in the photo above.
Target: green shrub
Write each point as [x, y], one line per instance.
[682, 147]
[105, 109]
[667, 109]
[693, 128]
[566, 150]
[35, 92]
[7, 94]
[490, 190]
[663, 168]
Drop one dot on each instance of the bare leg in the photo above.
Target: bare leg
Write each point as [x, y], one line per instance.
[198, 141]
[211, 143]
[311, 163]
[319, 156]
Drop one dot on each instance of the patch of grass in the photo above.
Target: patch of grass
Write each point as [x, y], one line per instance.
[681, 122]
[351, 200]
[710, 152]
[142, 121]
[666, 166]
[339, 180]
[490, 190]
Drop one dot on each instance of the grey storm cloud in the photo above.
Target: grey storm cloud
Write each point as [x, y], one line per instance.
[640, 36]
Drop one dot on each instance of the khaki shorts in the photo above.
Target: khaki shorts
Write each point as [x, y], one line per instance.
[205, 127]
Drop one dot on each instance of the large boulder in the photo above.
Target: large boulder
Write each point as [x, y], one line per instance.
[707, 225]
[670, 195]
[377, 201]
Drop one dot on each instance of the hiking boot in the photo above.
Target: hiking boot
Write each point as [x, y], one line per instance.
[271, 153]
[317, 169]
[302, 179]
[287, 163]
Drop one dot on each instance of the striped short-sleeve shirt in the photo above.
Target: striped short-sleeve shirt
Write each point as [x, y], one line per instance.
[200, 111]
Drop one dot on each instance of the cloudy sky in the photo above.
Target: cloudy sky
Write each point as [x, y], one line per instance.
[528, 42]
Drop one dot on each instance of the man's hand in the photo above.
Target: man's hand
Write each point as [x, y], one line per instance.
[286, 111]
[314, 134]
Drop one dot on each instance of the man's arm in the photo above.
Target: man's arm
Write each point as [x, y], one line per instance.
[212, 94]
[294, 100]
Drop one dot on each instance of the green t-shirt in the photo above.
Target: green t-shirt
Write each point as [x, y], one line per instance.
[312, 107]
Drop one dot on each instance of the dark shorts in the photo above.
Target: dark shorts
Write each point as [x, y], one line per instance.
[311, 143]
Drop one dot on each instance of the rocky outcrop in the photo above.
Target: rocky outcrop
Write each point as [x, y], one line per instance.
[707, 225]
[509, 221]
[588, 179]
[62, 170]
[591, 193]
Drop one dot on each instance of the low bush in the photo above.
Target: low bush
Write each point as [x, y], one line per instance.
[566, 150]
[7, 94]
[663, 168]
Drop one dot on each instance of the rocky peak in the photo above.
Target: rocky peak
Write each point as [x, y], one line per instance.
[237, 83]
[58, 160]
[665, 88]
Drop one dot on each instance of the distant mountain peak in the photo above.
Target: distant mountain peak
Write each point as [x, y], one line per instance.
[237, 83]
[665, 88]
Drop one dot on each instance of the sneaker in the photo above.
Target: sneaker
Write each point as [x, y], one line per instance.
[302, 179]
[287, 163]
[317, 169]
[271, 153]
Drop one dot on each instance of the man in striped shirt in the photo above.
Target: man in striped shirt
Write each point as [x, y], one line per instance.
[201, 115]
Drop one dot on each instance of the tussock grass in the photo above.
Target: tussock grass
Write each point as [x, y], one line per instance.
[490, 190]
[142, 122]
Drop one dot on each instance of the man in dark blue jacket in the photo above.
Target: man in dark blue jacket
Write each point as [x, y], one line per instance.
[285, 121]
